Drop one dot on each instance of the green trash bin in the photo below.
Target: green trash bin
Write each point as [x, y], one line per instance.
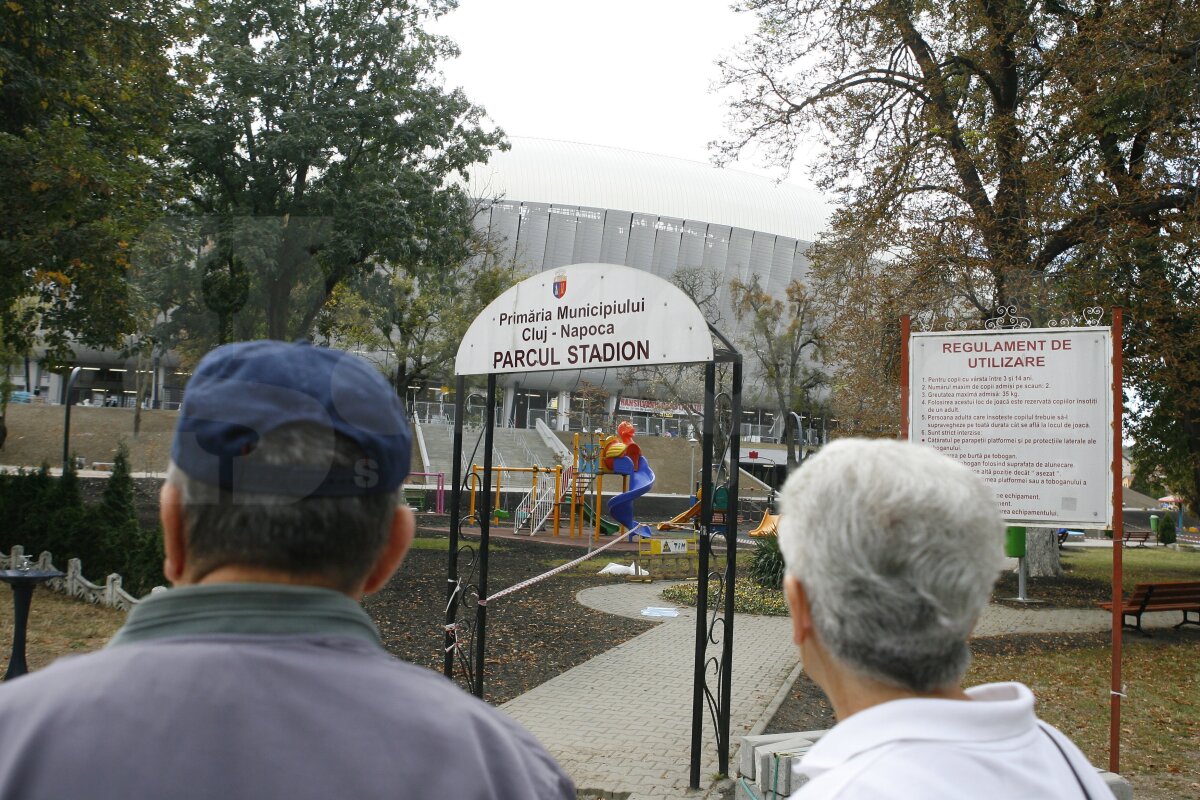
[1014, 541]
[1154, 523]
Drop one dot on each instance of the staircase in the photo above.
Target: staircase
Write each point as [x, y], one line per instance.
[511, 447]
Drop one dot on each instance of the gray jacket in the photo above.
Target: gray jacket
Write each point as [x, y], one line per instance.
[258, 692]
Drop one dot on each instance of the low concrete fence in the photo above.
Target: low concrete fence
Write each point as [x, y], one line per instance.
[73, 583]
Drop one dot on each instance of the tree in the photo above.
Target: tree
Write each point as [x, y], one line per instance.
[1164, 353]
[87, 94]
[323, 146]
[683, 384]
[415, 321]
[785, 339]
[992, 153]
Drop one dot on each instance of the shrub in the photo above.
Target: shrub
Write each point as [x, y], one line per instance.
[42, 512]
[1166, 529]
[766, 566]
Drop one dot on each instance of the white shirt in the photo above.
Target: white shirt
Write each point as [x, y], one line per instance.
[925, 749]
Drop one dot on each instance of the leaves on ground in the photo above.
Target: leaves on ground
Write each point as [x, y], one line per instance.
[531, 636]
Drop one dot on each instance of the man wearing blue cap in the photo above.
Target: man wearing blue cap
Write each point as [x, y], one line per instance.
[260, 675]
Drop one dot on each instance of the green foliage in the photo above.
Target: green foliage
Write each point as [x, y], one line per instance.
[321, 145]
[86, 98]
[42, 512]
[980, 159]
[766, 566]
[1166, 529]
[418, 322]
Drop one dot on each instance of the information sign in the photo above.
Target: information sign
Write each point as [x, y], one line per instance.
[654, 547]
[1029, 410]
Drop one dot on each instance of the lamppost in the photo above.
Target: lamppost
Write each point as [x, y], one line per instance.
[692, 467]
[67, 416]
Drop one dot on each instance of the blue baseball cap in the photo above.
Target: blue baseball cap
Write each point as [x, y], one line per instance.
[240, 392]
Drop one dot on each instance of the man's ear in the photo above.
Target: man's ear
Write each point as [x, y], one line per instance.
[798, 607]
[399, 538]
[170, 511]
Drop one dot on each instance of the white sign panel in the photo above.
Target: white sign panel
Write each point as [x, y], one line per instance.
[1030, 411]
[585, 316]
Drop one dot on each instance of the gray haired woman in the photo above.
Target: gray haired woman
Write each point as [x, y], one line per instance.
[892, 550]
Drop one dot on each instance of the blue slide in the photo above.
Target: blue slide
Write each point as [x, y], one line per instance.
[620, 507]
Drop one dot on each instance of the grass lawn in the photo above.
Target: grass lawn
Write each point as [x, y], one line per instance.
[1138, 565]
[1160, 717]
[58, 626]
[442, 543]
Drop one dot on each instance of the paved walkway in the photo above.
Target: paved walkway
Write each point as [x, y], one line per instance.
[620, 724]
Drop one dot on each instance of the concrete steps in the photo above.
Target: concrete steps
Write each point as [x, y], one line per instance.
[511, 447]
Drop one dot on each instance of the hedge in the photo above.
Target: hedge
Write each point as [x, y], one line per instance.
[42, 512]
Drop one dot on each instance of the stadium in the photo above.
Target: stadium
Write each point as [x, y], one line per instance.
[545, 204]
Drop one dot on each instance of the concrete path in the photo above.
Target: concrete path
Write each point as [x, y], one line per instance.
[620, 724]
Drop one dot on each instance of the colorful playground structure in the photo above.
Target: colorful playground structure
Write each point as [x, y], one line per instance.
[572, 496]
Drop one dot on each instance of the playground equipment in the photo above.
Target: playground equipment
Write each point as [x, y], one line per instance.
[767, 526]
[619, 455]
[575, 492]
[583, 490]
[684, 521]
[532, 510]
[607, 526]
[418, 496]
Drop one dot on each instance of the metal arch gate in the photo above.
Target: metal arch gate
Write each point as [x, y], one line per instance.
[467, 568]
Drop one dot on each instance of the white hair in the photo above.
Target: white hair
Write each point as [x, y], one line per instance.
[897, 547]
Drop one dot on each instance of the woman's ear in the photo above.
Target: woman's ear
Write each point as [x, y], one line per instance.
[798, 607]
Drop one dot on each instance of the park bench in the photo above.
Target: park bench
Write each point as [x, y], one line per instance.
[1146, 597]
[1135, 535]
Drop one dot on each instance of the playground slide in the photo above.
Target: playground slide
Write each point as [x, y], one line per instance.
[607, 526]
[684, 520]
[767, 526]
[620, 507]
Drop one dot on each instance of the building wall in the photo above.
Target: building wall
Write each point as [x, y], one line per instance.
[542, 236]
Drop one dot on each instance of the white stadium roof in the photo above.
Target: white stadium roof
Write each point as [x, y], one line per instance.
[550, 171]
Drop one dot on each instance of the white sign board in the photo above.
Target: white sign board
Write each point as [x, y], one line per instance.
[585, 316]
[1029, 410]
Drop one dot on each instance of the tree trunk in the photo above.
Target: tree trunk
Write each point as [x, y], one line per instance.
[1041, 553]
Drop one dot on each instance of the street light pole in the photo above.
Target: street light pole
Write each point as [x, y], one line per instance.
[692, 467]
[67, 416]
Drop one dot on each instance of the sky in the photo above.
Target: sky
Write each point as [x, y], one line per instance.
[619, 73]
